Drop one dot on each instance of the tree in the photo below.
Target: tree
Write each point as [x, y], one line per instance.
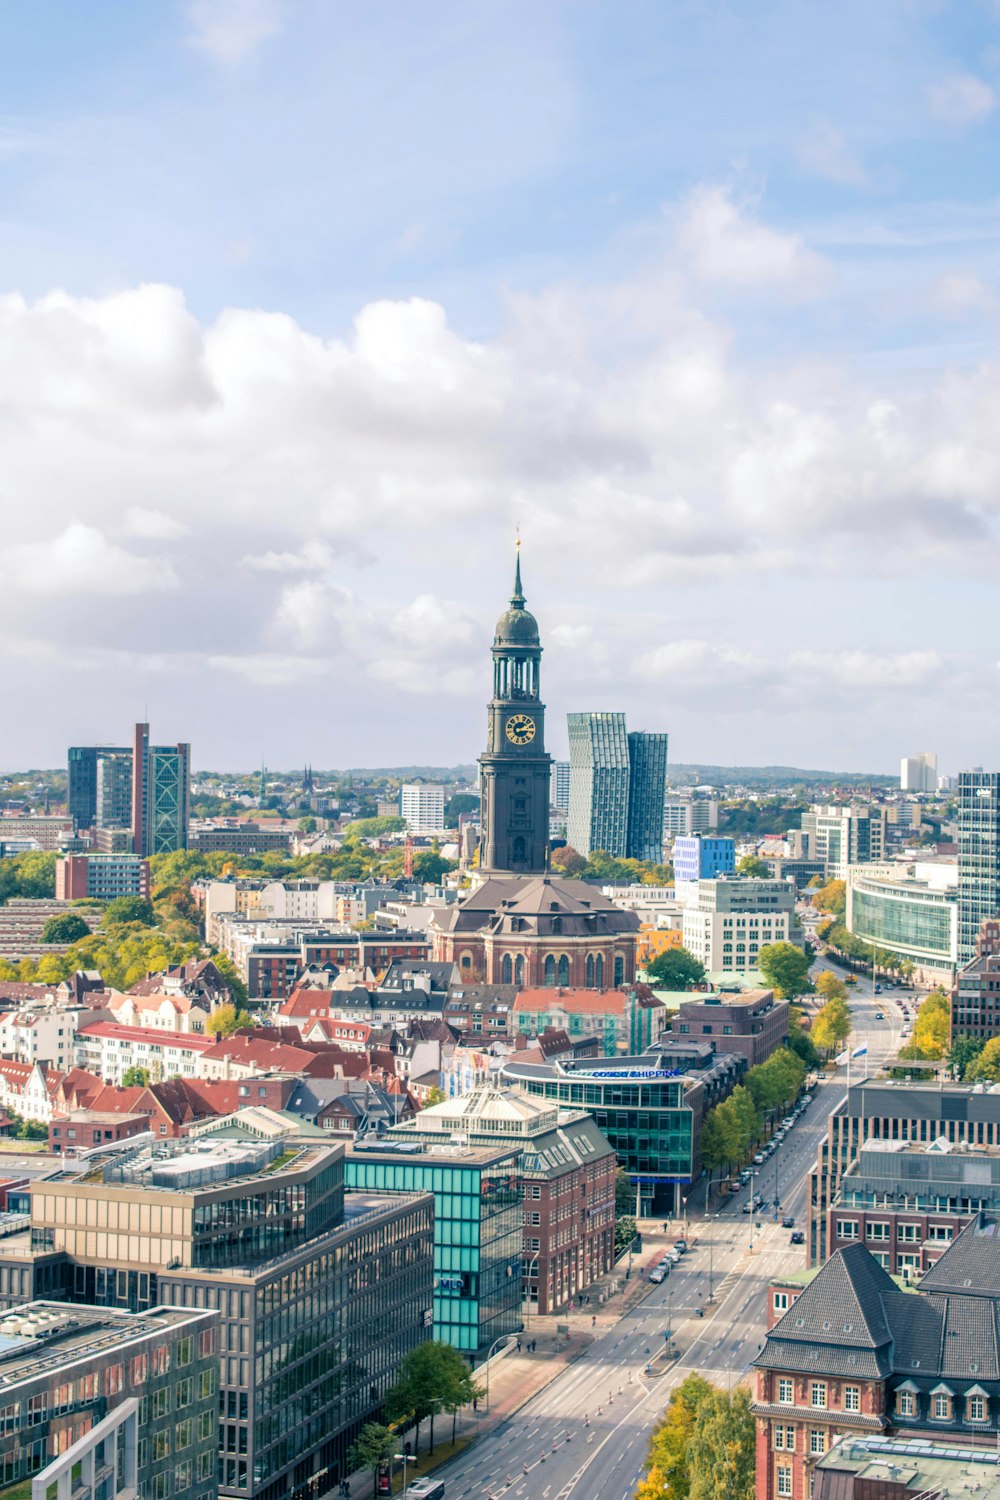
[433, 1378]
[666, 1464]
[625, 1230]
[775, 1083]
[31, 875]
[227, 969]
[307, 825]
[129, 909]
[932, 1027]
[964, 1051]
[720, 1452]
[750, 865]
[430, 866]
[831, 1026]
[460, 805]
[986, 1067]
[567, 860]
[830, 987]
[66, 928]
[373, 1447]
[832, 897]
[624, 1193]
[786, 969]
[435, 1095]
[373, 828]
[135, 1077]
[225, 1019]
[675, 969]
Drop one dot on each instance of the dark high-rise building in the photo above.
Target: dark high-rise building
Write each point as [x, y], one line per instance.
[161, 776]
[598, 784]
[81, 781]
[647, 791]
[515, 771]
[978, 856]
[114, 790]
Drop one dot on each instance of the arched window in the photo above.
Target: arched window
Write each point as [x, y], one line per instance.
[619, 970]
[466, 960]
[590, 971]
[599, 972]
[563, 970]
[506, 969]
[517, 855]
[550, 970]
[519, 969]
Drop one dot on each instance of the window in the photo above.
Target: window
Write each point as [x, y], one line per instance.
[785, 1392]
[781, 1301]
[847, 1229]
[817, 1440]
[205, 1465]
[185, 1351]
[877, 1231]
[37, 1409]
[183, 1435]
[975, 1409]
[904, 1403]
[206, 1385]
[784, 1437]
[206, 1424]
[784, 1480]
[161, 1445]
[817, 1393]
[941, 1410]
[852, 1398]
[908, 1232]
[161, 1402]
[185, 1391]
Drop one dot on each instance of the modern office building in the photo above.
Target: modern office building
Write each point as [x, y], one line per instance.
[845, 836]
[687, 815]
[888, 1110]
[978, 856]
[647, 790]
[477, 1227]
[907, 1200]
[144, 788]
[734, 917]
[319, 1296]
[697, 857]
[975, 1001]
[101, 876]
[918, 773]
[559, 794]
[650, 1107]
[752, 1024]
[422, 805]
[567, 1170]
[910, 910]
[598, 784]
[97, 1403]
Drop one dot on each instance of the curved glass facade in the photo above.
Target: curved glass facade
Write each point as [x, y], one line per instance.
[906, 918]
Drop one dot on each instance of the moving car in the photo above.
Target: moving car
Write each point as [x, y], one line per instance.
[879, 1016]
[797, 1238]
[788, 1222]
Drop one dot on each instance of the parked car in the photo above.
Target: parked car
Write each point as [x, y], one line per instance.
[759, 1159]
[788, 1222]
[681, 1245]
[748, 1208]
[657, 1276]
[797, 1237]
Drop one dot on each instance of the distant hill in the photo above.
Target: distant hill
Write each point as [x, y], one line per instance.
[696, 775]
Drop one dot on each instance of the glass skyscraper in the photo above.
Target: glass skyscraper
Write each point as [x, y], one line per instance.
[978, 856]
[617, 788]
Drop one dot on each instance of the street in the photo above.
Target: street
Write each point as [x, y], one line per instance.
[587, 1433]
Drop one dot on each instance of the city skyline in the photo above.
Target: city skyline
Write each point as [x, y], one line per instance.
[296, 331]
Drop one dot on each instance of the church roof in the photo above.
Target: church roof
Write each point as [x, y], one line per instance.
[537, 902]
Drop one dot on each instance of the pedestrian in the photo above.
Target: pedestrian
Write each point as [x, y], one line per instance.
[519, 1346]
[593, 1321]
[475, 1403]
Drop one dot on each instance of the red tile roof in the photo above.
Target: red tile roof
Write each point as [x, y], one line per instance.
[584, 1002]
[152, 1034]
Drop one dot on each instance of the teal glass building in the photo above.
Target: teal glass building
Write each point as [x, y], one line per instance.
[478, 1230]
[904, 915]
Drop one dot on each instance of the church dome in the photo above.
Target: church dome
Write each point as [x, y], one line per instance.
[517, 626]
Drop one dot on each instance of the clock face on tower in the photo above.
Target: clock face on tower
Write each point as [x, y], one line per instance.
[520, 729]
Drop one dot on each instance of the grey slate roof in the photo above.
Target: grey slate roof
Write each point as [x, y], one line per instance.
[843, 1304]
[971, 1263]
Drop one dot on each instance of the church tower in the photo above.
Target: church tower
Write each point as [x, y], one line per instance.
[515, 770]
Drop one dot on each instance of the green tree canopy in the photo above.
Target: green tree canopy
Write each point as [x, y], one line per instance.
[721, 1449]
[135, 1077]
[831, 1026]
[832, 897]
[225, 1019]
[32, 875]
[373, 1447]
[372, 828]
[754, 867]
[986, 1067]
[963, 1053]
[67, 927]
[786, 968]
[830, 987]
[433, 1378]
[775, 1083]
[129, 909]
[666, 1464]
[675, 969]
[932, 1027]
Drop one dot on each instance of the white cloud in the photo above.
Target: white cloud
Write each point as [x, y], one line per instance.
[231, 31]
[825, 153]
[722, 242]
[81, 560]
[311, 557]
[961, 294]
[866, 669]
[961, 99]
[153, 525]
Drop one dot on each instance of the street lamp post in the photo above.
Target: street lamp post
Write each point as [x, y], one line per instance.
[752, 1209]
[404, 1459]
[532, 1266]
[504, 1338]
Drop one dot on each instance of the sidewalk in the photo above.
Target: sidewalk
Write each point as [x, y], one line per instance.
[513, 1380]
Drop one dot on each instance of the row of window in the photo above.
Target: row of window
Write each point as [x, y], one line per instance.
[818, 1392]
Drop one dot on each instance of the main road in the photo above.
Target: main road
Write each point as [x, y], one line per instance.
[586, 1434]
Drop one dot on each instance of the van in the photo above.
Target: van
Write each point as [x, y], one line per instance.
[426, 1489]
[758, 1160]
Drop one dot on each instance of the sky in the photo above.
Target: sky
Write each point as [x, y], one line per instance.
[307, 305]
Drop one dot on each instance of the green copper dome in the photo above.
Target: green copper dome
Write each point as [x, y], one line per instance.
[517, 626]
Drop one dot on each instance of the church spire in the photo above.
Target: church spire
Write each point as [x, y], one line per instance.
[517, 598]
